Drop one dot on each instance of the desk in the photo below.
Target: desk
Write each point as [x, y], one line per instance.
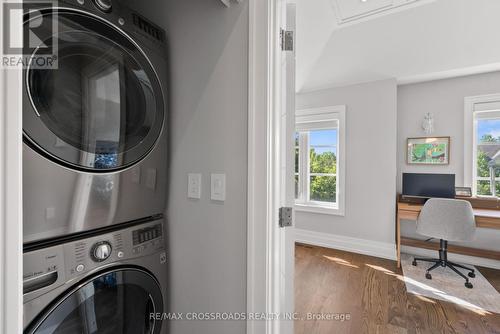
[486, 217]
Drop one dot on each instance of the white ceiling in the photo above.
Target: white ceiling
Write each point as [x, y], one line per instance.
[438, 39]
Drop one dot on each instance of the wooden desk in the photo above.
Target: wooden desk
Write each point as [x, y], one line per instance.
[487, 216]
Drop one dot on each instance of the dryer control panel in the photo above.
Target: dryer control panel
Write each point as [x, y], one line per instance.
[50, 267]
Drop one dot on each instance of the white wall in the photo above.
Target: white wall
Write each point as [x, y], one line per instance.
[445, 99]
[208, 49]
[370, 162]
[439, 37]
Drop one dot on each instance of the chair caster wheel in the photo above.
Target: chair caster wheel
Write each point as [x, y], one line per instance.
[471, 274]
[414, 263]
[468, 285]
[428, 276]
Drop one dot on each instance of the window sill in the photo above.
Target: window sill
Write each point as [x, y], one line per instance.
[321, 209]
[485, 197]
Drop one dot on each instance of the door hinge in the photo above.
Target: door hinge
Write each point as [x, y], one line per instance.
[286, 37]
[286, 216]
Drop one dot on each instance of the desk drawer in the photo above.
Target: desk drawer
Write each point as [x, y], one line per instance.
[405, 214]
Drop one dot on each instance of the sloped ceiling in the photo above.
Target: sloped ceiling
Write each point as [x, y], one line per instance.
[437, 39]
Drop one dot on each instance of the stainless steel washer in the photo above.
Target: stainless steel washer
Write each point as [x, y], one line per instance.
[112, 282]
[95, 149]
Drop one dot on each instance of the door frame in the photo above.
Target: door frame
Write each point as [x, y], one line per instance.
[263, 243]
[11, 236]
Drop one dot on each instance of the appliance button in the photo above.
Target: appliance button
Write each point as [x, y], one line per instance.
[101, 251]
[121, 21]
[80, 267]
[120, 254]
[104, 5]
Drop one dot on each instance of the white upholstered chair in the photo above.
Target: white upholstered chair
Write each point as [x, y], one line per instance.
[446, 220]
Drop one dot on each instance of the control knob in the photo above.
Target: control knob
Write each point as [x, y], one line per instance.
[101, 251]
[104, 5]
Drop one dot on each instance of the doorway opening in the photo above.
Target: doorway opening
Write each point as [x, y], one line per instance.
[361, 90]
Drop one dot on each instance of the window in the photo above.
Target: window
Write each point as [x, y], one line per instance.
[319, 159]
[488, 155]
[483, 118]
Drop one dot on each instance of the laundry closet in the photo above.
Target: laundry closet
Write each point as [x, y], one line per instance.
[137, 96]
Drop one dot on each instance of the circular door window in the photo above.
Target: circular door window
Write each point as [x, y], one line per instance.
[101, 108]
[116, 302]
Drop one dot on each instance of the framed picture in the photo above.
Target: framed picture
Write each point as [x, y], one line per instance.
[463, 191]
[428, 151]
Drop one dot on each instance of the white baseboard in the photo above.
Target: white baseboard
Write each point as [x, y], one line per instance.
[380, 249]
[361, 246]
[471, 260]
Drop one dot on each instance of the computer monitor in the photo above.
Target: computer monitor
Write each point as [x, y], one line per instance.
[428, 185]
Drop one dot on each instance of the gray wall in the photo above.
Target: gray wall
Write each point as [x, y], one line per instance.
[370, 161]
[445, 99]
[208, 48]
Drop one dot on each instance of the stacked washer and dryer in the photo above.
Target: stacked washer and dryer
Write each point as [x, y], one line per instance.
[95, 172]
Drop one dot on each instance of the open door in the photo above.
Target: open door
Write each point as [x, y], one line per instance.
[287, 164]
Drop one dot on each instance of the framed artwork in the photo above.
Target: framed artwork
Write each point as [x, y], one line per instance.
[428, 151]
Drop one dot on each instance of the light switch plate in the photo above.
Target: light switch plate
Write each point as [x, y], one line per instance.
[194, 185]
[218, 187]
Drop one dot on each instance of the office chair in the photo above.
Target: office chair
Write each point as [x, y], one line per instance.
[448, 220]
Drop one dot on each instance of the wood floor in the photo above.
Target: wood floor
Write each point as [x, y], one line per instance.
[368, 290]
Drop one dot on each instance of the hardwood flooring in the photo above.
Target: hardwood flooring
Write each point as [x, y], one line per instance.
[371, 292]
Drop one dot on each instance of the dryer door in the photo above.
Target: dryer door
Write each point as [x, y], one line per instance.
[100, 107]
[117, 302]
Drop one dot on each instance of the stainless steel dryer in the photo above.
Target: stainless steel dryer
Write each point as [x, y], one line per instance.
[94, 127]
[112, 282]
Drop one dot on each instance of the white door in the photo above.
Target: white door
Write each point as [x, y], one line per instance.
[287, 162]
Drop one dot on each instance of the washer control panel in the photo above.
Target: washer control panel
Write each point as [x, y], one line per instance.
[130, 243]
[47, 268]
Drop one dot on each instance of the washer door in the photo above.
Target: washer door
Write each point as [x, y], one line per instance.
[101, 108]
[116, 302]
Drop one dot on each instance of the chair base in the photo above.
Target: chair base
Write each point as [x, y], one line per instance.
[443, 262]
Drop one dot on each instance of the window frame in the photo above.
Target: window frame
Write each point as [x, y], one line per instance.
[323, 118]
[472, 108]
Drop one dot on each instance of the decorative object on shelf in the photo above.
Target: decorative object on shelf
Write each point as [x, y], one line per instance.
[428, 123]
[463, 191]
[428, 151]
